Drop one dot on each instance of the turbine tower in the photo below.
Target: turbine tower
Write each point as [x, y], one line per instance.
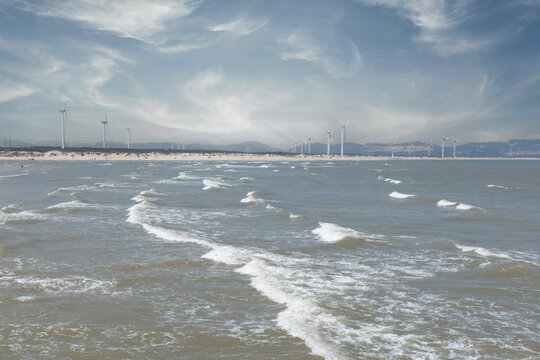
[329, 133]
[128, 137]
[429, 144]
[105, 130]
[343, 126]
[309, 146]
[511, 149]
[64, 122]
[455, 141]
[442, 148]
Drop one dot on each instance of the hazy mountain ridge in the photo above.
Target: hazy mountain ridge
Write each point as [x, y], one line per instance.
[520, 148]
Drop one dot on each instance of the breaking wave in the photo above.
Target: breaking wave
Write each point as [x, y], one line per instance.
[398, 195]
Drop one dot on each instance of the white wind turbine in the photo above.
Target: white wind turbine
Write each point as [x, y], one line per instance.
[309, 146]
[442, 147]
[455, 142]
[511, 149]
[343, 126]
[329, 133]
[429, 145]
[105, 130]
[64, 123]
[128, 138]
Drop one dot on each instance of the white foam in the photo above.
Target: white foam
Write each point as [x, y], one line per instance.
[294, 216]
[399, 195]
[75, 204]
[66, 285]
[165, 181]
[71, 189]
[463, 206]
[184, 176]
[390, 180]
[228, 255]
[246, 178]
[264, 166]
[210, 184]
[271, 275]
[231, 170]
[12, 207]
[444, 203]
[501, 187]
[14, 175]
[483, 252]
[302, 317]
[332, 233]
[22, 215]
[252, 197]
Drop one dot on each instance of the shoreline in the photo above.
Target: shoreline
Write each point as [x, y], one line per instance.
[59, 155]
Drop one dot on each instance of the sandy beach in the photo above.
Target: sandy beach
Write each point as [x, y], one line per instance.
[203, 156]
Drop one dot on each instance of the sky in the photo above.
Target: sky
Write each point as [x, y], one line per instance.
[274, 71]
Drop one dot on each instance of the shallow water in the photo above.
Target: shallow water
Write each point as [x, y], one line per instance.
[344, 260]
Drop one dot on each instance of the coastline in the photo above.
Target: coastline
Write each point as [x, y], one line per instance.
[59, 155]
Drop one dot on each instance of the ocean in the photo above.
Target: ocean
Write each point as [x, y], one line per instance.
[270, 260]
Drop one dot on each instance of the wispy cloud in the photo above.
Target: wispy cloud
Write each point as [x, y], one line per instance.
[337, 62]
[439, 23]
[138, 19]
[240, 27]
[10, 90]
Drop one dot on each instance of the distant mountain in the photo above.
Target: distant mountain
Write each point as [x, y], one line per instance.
[519, 148]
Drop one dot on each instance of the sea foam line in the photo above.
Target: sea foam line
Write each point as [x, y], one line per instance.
[398, 195]
[333, 233]
[302, 318]
[488, 253]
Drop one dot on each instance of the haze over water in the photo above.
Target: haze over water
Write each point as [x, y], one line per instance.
[270, 260]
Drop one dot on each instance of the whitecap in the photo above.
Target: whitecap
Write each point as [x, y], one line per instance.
[12, 207]
[252, 197]
[75, 204]
[21, 216]
[399, 195]
[463, 206]
[67, 285]
[210, 184]
[332, 233]
[483, 252]
[444, 203]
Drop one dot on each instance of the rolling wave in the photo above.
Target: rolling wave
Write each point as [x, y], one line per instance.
[398, 195]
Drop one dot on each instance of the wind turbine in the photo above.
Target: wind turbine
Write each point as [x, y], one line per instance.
[329, 133]
[343, 126]
[105, 130]
[455, 141]
[429, 145]
[409, 149]
[511, 149]
[442, 147]
[64, 122]
[309, 146]
[128, 137]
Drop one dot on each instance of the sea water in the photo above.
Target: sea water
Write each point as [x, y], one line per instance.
[270, 260]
